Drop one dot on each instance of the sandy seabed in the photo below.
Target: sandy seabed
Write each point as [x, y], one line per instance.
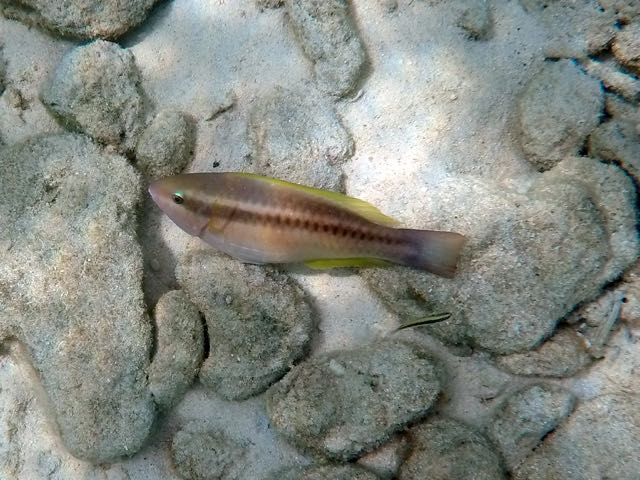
[130, 350]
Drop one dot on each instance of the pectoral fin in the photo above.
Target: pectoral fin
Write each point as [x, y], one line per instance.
[345, 262]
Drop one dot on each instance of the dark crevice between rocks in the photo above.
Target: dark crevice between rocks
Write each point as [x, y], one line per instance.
[206, 345]
[549, 433]
[153, 324]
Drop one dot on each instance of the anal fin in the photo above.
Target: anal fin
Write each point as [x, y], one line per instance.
[345, 263]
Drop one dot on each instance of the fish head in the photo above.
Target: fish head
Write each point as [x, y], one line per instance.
[181, 200]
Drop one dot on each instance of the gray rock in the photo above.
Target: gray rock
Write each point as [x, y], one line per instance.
[179, 348]
[612, 77]
[626, 46]
[524, 419]
[575, 29]
[70, 289]
[620, 109]
[624, 10]
[298, 137]
[445, 449]
[324, 472]
[535, 256]
[617, 141]
[95, 90]
[562, 355]
[601, 439]
[166, 144]
[269, 3]
[329, 38]
[597, 320]
[476, 19]
[259, 322]
[344, 403]
[199, 452]
[385, 461]
[614, 194]
[557, 110]
[80, 18]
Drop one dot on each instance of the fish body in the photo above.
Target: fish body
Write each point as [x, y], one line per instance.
[258, 219]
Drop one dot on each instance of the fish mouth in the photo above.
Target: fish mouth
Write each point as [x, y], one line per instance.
[154, 190]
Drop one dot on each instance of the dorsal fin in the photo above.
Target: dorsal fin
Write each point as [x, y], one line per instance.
[354, 205]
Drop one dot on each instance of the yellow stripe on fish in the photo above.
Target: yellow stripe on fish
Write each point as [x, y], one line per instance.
[259, 219]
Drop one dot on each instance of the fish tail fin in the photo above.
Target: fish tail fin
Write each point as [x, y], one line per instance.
[436, 252]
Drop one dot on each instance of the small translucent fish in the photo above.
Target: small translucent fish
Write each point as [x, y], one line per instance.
[436, 318]
[258, 219]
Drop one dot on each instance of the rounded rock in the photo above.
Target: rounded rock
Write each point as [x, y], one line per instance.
[562, 355]
[201, 453]
[342, 404]
[80, 18]
[166, 145]
[259, 321]
[524, 419]
[519, 246]
[95, 90]
[601, 437]
[445, 449]
[71, 289]
[626, 46]
[179, 348]
[560, 106]
[329, 38]
[617, 141]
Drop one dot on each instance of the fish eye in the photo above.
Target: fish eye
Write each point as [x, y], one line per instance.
[178, 198]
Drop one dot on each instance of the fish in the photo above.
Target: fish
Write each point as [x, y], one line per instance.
[260, 220]
[428, 320]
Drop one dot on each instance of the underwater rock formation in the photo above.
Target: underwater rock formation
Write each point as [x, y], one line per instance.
[444, 449]
[95, 89]
[559, 107]
[344, 403]
[70, 289]
[179, 348]
[530, 258]
[258, 320]
[562, 355]
[166, 145]
[329, 38]
[614, 78]
[524, 419]
[324, 472]
[575, 29]
[600, 439]
[298, 137]
[199, 452]
[80, 18]
[618, 139]
[626, 46]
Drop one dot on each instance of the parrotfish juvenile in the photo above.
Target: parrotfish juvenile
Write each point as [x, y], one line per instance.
[258, 219]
